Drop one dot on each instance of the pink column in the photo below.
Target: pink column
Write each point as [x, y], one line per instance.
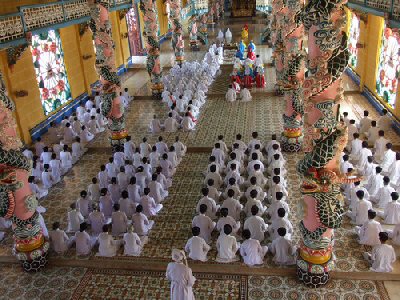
[17, 202]
[324, 139]
[277, 41]
[177, 30]
[112, 106]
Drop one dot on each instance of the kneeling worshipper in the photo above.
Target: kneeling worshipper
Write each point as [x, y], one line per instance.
[382, 256]
[282, 249]
[59, 240]
[107, 245]
[196, 246]
[180, 276]
[227, 246]
[230, 95]
[83, 241]
[251, 250]
[132, 243]
[245, 95]
[391, 214]
[368, 233]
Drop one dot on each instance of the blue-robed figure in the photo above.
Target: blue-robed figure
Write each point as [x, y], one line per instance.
[252, 46]
[239, 54]
[242, 47]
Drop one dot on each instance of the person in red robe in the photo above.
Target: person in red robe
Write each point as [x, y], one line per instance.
[251, 55]
[260, 78]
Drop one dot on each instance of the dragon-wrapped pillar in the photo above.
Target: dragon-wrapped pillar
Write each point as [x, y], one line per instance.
[112, 107]
[277, 40]
[324, 139]
[202, 33]
[148, 8]
[17, 202]
[177, 31]
[292, 77]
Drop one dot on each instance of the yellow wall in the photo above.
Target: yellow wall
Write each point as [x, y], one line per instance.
[87, 49]
[72, 59]
[114, 19]
[162, 17]
[29, 111]
[123, 29]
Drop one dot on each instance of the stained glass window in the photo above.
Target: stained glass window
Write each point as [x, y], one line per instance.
[389, 66]
[48, 60]
[353, 39]
[135, 43]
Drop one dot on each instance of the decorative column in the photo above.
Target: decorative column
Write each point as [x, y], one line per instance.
[277, 40]
[148, 7]
[17, 202]
[293, 77]
[112, 107]
[203, 30]
[177, 30]
[324, 139]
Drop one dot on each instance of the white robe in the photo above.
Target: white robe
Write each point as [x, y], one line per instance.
[230, 95]
[107, 245]
[59, 240]
[141, 223]
[132, 244]
[227, 247]
[119, 222]
[83, 243]
[234, 207]
[394, 173]
[389, 158]
[206, 226]
[75, 219]
[283, 251]
[382, 256]
[368, 233]
[380, 148]
[252, 252]
[245, 95]
[391, 213]
[182, 281]
[257, 227]
[197, 248]
[97, 220]
[361, 211]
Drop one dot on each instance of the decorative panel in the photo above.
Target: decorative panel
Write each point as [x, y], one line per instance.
[11, 28]
[353, 39]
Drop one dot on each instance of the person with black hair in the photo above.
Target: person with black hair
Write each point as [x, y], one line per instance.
[391, 214]
[383, 196]
[212, 190]
[214, 175]
[233, 205]
[107, 245]
[251, 202]
[119, 221]
[227, 246]
[252, 182]
[355, 147]
[365, 123]
[382, 256]
[83, 241]
[280, 221]
[155, 125]
[59, 240]
[282, 249]
[132, 242]
[273, 141]
[276, 187]
[363, 156]
[212, 206]
[204, 222]
[256, 225]
[196, 246]
[276, 204]
[375, 182]
[219, 154]
[394, 171]
[226, 219]
[141, 223]
[388, 159]
[150, 207]
[368, 233]
[251, 250]
[157, 191]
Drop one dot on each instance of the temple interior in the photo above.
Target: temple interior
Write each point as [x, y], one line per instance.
[313, 61]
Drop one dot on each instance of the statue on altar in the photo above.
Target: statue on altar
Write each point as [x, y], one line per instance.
[251, 46]
[250, 54]
[245, 32]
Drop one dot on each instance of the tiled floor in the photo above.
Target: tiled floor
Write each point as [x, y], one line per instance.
[172, 227]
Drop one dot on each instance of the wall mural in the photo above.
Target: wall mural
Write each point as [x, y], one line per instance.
[48, 60]
[353, 39]
[389, 66]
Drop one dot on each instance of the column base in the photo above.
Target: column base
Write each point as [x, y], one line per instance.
[35, 260]
[313, 275]
[290, 144]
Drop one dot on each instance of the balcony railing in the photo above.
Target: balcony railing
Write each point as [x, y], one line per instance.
[40, 17]
[389, 7]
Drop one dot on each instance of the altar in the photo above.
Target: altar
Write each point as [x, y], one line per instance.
[243, 8]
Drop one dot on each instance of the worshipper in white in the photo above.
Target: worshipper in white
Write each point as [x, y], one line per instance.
[105, 202]
[360, 214]
[205, 223]
[225, 219]
[129, 148]
[256, 225]
[383, 196]
[282, 249]
[83, 242]
[382, 257]
[373, 133]
[233, 205]
[388, 158]
[251, 250]
[96, 220]
[180, 276]
[375, 182]
[212, 207]
[155, 125]
[230, 95]
[227, 246]
[75, 218]
[107, 245]
[365, 123]
[352, 129]
[368, 233]
[280, 222]
[119, 221]
[59, 240]
[380, 145]
[132, 243]
[84, 204]
[141, 222]
[150, 207]
[394, 171]
[127, 206]
[385, 121]
[391, 213]
[245, 95]
[196, 246]
[253, 201]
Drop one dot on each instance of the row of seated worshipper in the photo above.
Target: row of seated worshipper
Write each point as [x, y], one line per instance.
[185, 89]
[51, 162]
[120, 202]
[376, 193]
[245, 198]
